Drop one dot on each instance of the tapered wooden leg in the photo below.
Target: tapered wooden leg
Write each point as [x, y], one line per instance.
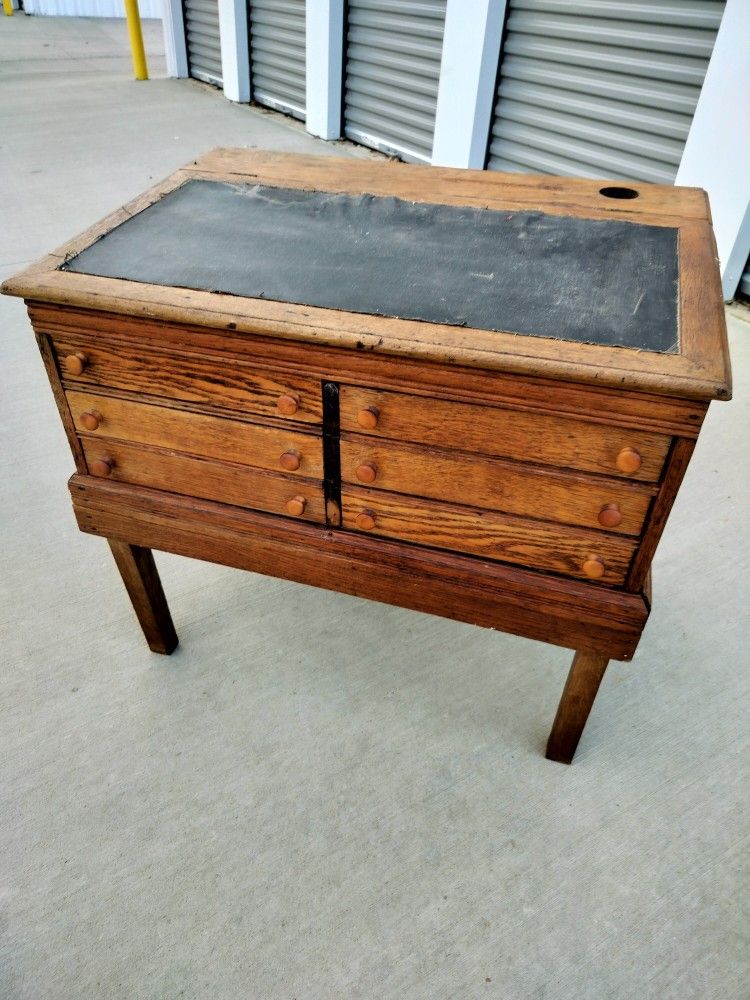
[578, 696]
[141, 579]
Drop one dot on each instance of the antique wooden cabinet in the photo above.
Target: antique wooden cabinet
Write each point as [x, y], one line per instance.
[466, 393]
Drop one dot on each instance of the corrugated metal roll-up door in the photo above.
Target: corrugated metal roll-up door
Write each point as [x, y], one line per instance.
[277, 54]
[202, 39]
[393, 50]
[600, 88]
[743, 289]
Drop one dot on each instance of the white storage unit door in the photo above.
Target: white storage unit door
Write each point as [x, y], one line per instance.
[202, 39]
[277, 54]
[600, 88]
[393, 50]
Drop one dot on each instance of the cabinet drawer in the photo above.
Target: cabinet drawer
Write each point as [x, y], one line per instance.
[478, 481]
[239, 485]
[533, 544]
[212, 382]
[506, 433]
[271, 448]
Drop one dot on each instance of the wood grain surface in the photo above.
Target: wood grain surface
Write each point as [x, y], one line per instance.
[561, 442]
[553, 609]
[515, 488]
[205, 379]
[523, 542]
[450, 186]
[199, 434]
[586, 674]
[207, 479]
[700, 369]
[141, 579]
[676, 468]
[595, 404]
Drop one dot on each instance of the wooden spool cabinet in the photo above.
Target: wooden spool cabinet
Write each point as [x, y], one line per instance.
[497, 446]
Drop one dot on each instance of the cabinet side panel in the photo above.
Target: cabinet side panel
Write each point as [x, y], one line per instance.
[53, 374]
[677, 463]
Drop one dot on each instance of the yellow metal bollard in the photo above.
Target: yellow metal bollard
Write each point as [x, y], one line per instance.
[136, 39]
[8, 7]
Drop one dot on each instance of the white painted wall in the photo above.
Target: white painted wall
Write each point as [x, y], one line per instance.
[717, 152]
[90, 8]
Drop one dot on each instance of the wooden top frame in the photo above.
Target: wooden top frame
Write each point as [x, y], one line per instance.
[699, 370]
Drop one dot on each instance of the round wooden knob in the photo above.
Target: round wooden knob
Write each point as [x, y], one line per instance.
[296, 506]
[610, 516]
[365, 521]
[290, 461]
[75, 363]
[593, 567]
[628, 461]
[102, 466]
[368, 417]
[90, 419]
[367, 472]
[287, 404]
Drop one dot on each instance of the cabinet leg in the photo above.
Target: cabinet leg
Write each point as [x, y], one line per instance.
[141, 579]
[578, 696]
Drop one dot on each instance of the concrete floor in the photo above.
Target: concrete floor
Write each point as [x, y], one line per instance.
[319, 797]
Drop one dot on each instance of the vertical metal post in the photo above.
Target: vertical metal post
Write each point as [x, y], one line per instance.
[324, 67]
[140, 69]
[235, 49]
[468, 72]
[173, 28]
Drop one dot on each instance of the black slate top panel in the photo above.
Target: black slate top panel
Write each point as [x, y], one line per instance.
[598, 282]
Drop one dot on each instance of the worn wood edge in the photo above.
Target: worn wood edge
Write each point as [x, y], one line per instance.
[61, 400]
[280, 170]
[702, 318]
[604, 365]
[419, 194]
[610, 367]
[50, 263]
[594, 403]
[675, 469]
[375, 177]
[566, 613]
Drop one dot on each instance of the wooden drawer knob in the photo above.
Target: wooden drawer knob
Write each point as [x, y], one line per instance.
[610, 516]
[629, 461]
[290, 461]
[365, 521]
[367, 472]
[296, 506]
[593, 567]
[75, 363]
[368, 417]
[102, 466]
[287, 404]
[90, 419]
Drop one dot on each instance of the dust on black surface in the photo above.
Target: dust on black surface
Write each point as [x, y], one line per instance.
[592, 281]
